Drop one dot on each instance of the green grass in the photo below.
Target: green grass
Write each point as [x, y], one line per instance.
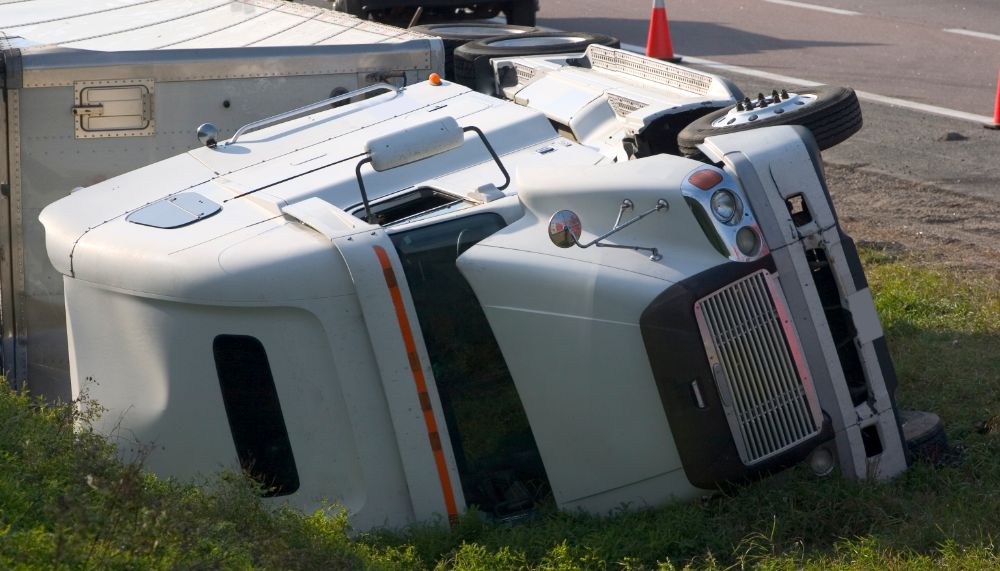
[66, 503]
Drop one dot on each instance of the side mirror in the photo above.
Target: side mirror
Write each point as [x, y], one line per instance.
[208, 134]
[565, 228]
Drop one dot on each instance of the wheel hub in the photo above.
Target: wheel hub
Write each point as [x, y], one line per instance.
[753, 110]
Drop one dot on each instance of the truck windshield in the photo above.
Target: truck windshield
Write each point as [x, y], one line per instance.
[498, 461]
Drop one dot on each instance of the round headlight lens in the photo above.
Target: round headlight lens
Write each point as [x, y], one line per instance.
[748, 241]
[726, 206]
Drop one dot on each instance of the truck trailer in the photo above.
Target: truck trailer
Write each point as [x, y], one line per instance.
[432, 298]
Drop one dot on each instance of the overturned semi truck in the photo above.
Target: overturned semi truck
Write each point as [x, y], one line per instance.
[94, 89]
[432, 298]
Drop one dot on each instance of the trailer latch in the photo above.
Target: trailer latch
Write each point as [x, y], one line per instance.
[88, 110]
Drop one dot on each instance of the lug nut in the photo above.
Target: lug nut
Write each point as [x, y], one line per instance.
[784, 94]
[775, 97]
[761, 102]
[747, 103]
[739, 106]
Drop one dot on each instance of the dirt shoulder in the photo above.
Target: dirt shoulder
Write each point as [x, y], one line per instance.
[930, 223]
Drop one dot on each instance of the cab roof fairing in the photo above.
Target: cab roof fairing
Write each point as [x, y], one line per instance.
[90, 238]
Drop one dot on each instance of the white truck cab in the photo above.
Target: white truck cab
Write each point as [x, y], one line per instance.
[430, 299]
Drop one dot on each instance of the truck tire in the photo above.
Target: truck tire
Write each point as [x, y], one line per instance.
[521, 12]
[352, 7]
[472, 60]
[925, 438]
[456, 34]
[832, 113]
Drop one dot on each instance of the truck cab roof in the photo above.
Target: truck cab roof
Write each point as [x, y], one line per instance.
[248, 187]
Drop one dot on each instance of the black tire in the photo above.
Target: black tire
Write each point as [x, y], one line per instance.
[521, 12]
[352, 7]
[457, 33]
[832, 117]
[472, 60]
[925, 437]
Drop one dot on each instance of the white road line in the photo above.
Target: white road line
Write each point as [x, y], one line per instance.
[863, 95]
[983, 35]
[815, 7]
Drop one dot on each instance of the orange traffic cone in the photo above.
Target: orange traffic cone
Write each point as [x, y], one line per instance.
[658, 44]
[996, 109]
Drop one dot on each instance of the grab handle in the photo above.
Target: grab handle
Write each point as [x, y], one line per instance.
[266, 122]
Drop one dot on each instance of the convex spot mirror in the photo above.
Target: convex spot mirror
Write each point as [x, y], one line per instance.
[565, 228]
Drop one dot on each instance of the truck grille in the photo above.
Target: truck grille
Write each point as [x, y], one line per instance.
[649, 69]
[759, 367]
[624, 105]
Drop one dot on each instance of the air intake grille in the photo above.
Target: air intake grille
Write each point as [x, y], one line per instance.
[524, 74]
[624, 105]
[758, 365]
[649, 69]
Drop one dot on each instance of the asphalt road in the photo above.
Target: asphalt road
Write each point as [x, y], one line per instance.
[895, 48]
[891, 48]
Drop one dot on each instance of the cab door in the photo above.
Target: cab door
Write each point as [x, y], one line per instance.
[498, 462]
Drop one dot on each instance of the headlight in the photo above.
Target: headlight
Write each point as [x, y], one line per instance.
[748, 241]
[725, 213]
[726, 206]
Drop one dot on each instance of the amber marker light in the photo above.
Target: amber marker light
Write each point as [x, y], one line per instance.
[705, 179]
[434, 78]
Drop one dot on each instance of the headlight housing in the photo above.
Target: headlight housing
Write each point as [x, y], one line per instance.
[722, 210]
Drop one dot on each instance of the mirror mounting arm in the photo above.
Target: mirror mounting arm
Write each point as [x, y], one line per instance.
[626, 204]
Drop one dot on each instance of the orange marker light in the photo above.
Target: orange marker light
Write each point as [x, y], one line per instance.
[434, 78]
[705, 179]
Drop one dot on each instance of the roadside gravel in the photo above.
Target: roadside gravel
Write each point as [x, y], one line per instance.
[930, 223]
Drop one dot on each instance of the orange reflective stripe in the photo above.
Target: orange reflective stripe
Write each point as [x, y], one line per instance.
[420, 382]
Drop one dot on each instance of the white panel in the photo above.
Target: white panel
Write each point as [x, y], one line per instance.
[307, 33]
[154, 24]
[73, 29]
[353, 36]
[245, 33]
[164, 34]
[21, 13]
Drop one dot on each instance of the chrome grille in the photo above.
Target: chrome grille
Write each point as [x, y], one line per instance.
[759, 369]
